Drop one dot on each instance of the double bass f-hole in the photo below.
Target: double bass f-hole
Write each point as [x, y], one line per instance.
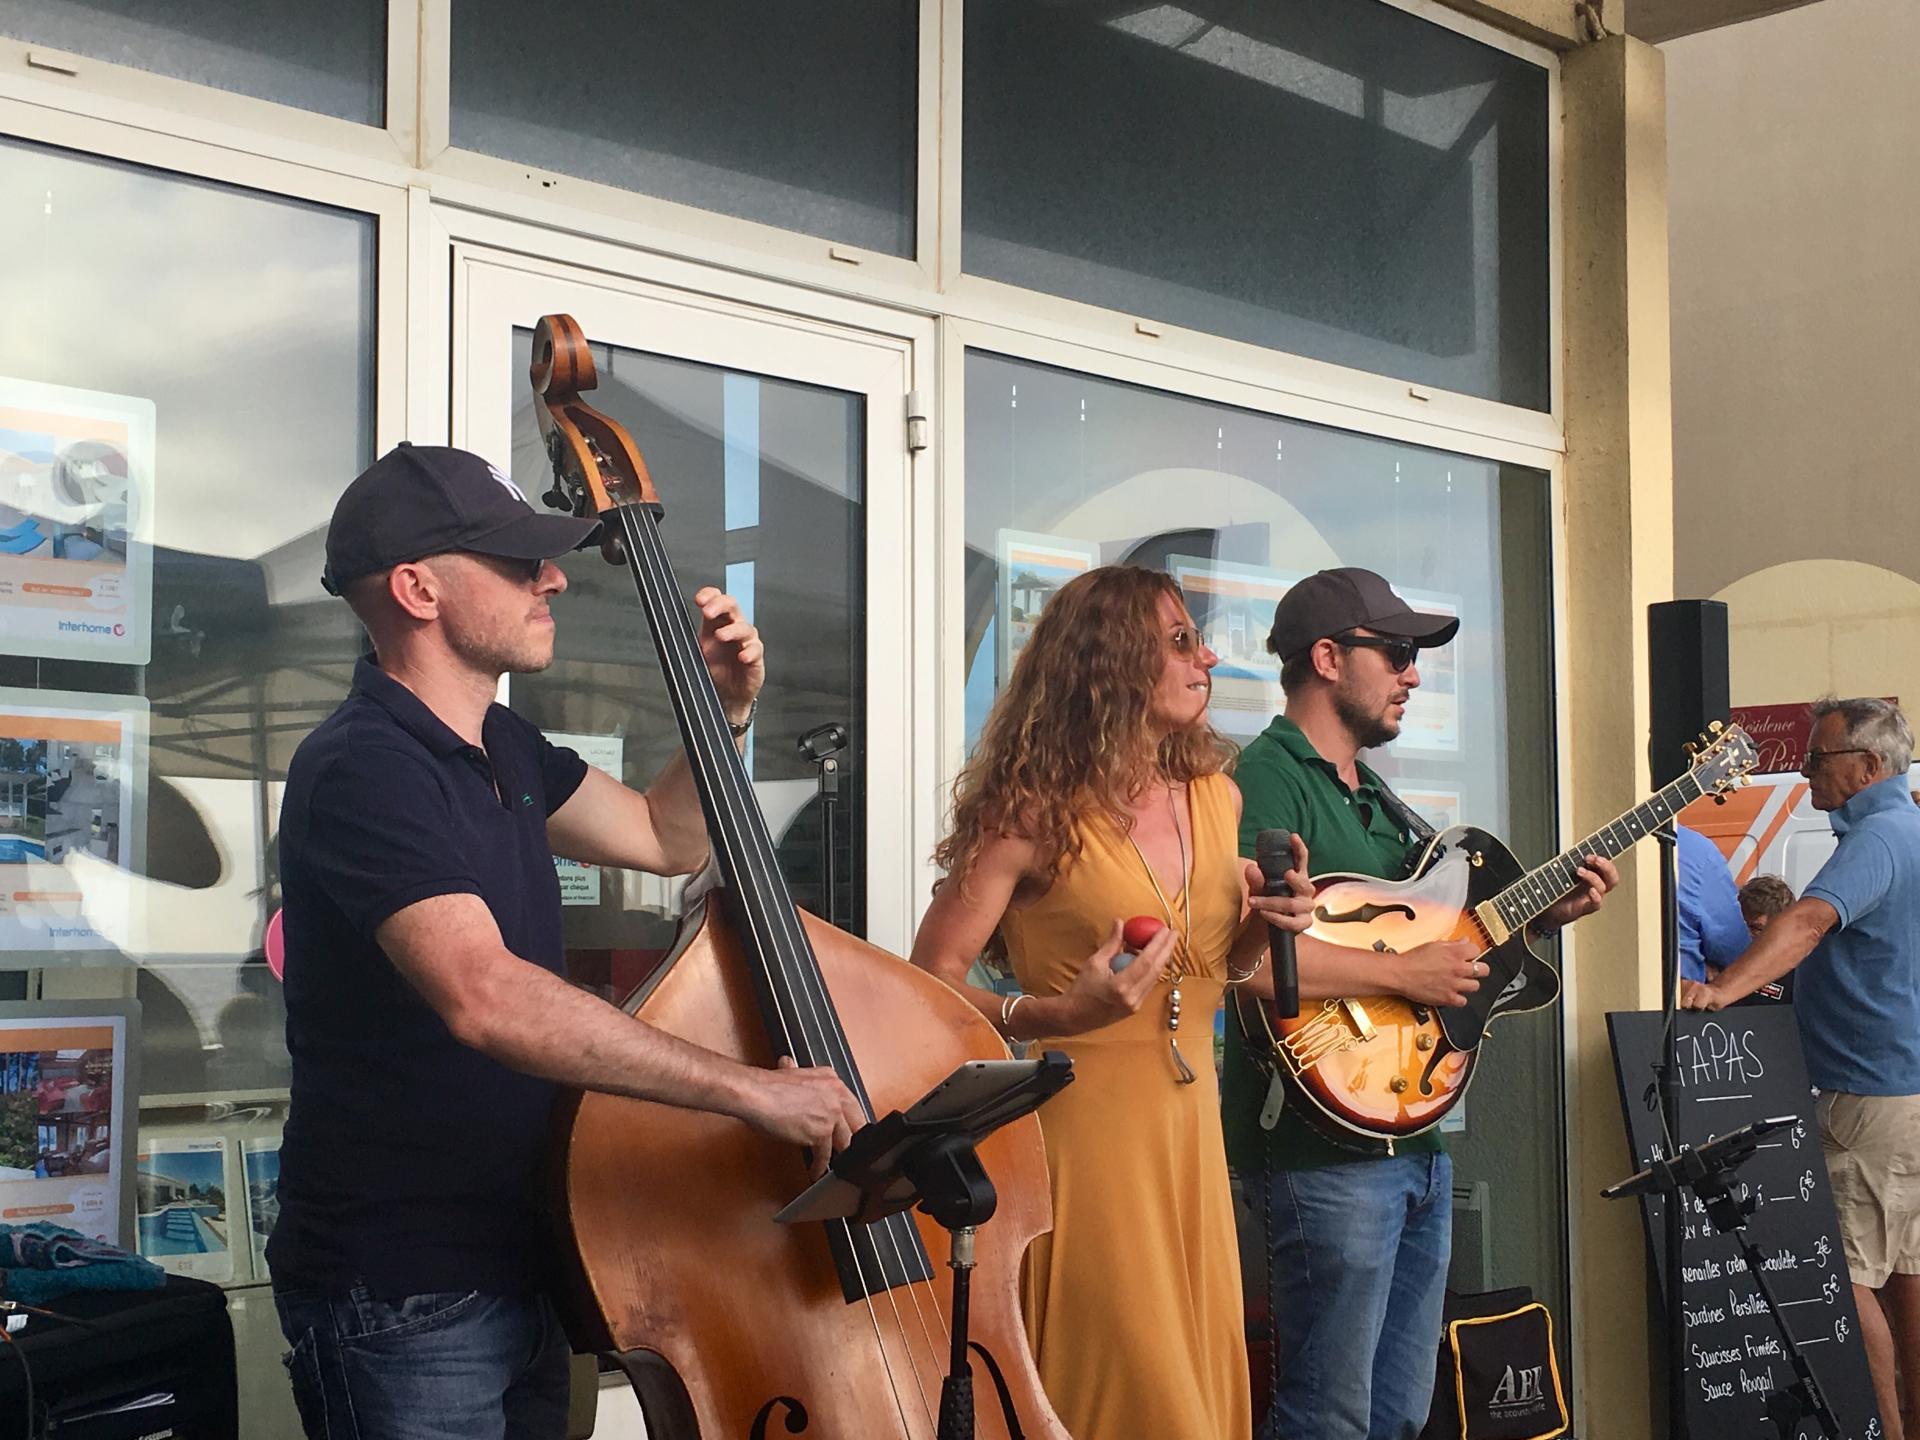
[793, 1421]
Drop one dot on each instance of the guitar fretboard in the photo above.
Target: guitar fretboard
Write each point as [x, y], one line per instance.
[1540, 889]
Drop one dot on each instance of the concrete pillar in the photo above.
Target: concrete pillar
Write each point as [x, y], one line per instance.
[1619, 558]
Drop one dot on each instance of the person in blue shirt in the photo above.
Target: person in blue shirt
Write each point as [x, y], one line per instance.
[1856, 929]
[1712, 930]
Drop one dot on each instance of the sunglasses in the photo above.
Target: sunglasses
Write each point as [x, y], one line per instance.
[1814, 757]
[1399, 650]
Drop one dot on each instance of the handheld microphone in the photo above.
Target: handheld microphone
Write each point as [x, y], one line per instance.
[1273, 853]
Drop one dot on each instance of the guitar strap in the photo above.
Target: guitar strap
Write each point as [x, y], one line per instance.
[1405, 817]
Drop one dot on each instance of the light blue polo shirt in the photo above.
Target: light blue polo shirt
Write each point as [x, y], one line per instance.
[1858, 997]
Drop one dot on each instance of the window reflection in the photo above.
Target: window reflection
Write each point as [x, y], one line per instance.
[330, 58]
[242, 323]
[1334, 178]
[800, 116]
[1066, 471]
[763, 483]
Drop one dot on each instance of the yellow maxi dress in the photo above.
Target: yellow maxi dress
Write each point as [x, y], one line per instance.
[1133, 1303]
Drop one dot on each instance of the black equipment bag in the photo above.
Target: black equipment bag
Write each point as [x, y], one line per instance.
[1498, 1378]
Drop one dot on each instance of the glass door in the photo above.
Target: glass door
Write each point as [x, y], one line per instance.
[780, 452]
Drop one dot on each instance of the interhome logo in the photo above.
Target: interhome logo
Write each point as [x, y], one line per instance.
[87, 627]
[1519, 1391]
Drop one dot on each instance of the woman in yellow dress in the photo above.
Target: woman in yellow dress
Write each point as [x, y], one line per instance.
[1097, 793]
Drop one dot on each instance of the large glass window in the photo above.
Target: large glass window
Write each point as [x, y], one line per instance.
[331, 58]
[801, 116]
[186, 385]
[1334, 178]
[763, 482]
[1066, 471]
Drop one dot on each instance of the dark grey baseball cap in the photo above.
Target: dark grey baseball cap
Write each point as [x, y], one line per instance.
[421, 500]
[1332, 602]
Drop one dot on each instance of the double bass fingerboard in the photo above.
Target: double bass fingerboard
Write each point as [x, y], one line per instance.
[799, 1013]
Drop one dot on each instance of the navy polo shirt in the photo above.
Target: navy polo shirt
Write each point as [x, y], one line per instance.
[408, 1161]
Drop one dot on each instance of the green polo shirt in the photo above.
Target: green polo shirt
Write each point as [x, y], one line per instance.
[1285, 785]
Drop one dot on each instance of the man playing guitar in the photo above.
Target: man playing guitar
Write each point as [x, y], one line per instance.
[1357, 1236]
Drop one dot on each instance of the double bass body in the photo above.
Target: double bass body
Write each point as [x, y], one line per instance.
[724, 1320]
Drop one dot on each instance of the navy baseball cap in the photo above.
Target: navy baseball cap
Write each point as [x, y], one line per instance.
[421, 500]
[1332, 602]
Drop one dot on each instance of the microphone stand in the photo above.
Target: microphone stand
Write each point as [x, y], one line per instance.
[823, 745]
[1710, 1176]
[1667, 1081]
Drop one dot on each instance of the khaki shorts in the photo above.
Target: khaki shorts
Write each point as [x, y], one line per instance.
[1872, 1145]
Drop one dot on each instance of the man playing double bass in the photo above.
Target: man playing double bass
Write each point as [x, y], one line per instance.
[428, 1018]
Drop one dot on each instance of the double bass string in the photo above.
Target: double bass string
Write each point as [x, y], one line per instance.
[824, 1037]
[671, 614]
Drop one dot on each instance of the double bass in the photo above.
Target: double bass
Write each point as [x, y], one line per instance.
[728, 1325]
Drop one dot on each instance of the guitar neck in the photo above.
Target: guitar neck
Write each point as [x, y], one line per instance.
[1534, 893]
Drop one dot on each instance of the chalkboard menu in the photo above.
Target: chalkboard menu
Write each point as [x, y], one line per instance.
[1737, 1066]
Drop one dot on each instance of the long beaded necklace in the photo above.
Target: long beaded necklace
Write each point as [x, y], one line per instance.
[1177, 967]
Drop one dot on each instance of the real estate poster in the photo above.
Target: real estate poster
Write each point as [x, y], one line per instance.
[260, 1162]
[1233, 606]
[579, 881]
[1432, 721]
[185, 1224]
[76, 523]
[72, 788]
[62, 1095]
[1438, 805]
[1032, 567]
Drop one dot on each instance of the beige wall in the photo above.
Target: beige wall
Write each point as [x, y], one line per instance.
[1794, 212]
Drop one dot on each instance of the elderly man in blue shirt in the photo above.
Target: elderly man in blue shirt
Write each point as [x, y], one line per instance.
[1857, 930]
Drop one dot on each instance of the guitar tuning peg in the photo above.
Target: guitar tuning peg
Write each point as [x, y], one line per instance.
[1715, 726]
[1693, 750]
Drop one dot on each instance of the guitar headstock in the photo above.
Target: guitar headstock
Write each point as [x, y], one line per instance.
[1722, 759]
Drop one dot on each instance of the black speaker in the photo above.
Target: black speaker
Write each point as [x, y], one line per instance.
[1687, 671]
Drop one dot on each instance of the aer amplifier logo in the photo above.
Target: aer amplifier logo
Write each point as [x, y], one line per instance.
[1519, 1390]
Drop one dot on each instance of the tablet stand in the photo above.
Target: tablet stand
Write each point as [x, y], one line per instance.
[925, 1156]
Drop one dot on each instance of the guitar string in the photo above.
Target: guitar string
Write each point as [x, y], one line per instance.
[728, 772]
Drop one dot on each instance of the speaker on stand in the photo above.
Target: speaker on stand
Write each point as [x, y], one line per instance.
[1687, 689]
[1687, 679]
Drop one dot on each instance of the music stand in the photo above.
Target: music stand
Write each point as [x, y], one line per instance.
[1708, 1171]
[925, 1155]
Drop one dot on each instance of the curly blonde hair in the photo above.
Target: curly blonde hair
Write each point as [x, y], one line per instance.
[1066, 737]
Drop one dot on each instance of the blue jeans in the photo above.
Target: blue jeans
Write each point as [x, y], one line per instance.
[1358, 1256]
[429, 1367]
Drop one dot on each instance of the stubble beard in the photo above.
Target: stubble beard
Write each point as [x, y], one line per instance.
[499, 654]
[1367, 728]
